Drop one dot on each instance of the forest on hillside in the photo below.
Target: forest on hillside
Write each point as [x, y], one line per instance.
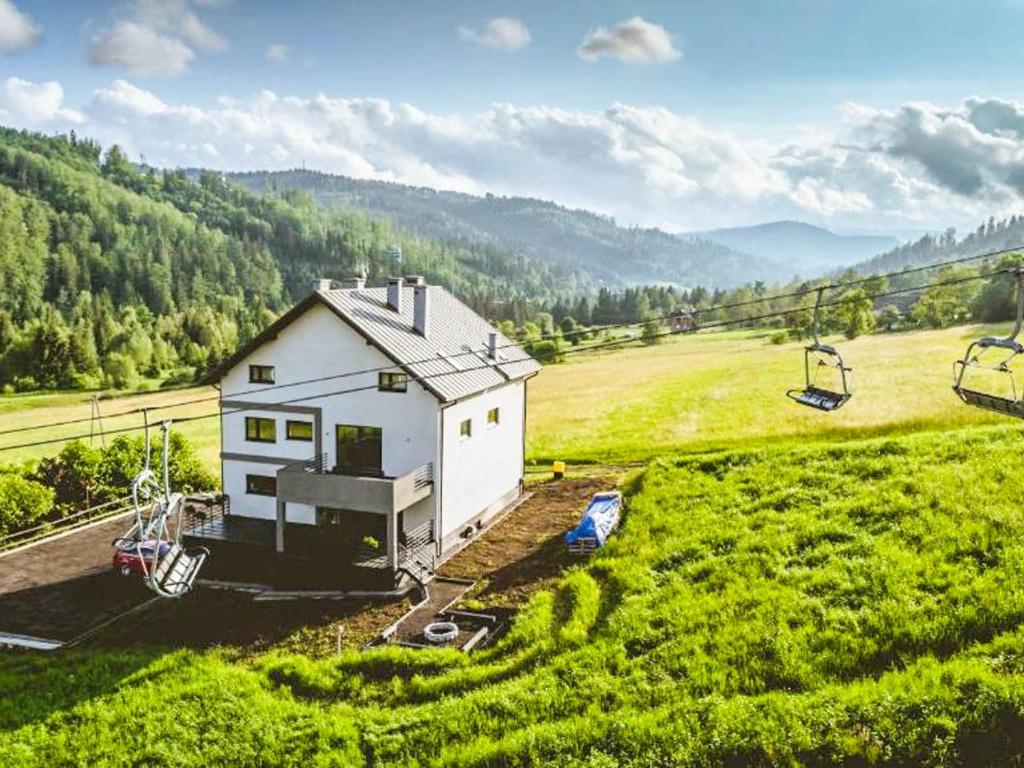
[111, 274]
[119, 276]
[589, 243]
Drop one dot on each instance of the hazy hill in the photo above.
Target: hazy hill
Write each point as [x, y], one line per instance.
[571, 239]
[991, 236]
[801, 247]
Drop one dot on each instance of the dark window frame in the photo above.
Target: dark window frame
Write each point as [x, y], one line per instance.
[253, 435]
[465, 429]
[261, 374]
[363, 454]
[253, 488]
[396, 381]
[297, 423]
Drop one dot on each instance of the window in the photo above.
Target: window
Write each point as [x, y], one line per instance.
[299, 430]
[259, 430]
[261, 374]
[492, 417]
[466, 429]
[261, 485]
[359, 450]
[392, 382]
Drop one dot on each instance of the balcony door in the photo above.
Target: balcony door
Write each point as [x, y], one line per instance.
[359, 450]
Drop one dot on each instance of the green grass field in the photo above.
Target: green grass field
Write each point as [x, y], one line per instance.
[788, 588]
[691, 393]
[823, 605]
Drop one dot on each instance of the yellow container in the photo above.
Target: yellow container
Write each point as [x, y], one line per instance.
[558, 469]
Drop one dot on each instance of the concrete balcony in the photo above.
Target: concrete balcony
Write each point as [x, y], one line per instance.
[309, 483]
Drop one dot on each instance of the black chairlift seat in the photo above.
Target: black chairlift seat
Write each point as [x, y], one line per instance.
[1003, 405]
[821, 399]
[815, 396]
[1008, 406]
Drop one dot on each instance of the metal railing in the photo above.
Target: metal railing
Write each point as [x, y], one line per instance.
[316, 465]
[71, 522]
[423, 476]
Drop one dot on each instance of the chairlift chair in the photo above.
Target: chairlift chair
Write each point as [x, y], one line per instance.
[825, 356]
[170, 570]
[971, 361]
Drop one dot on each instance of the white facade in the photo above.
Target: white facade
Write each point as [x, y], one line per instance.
[473, 477]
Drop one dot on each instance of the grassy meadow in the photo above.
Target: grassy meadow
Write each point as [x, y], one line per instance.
[857, 604]
[788, 588]
[690, 393]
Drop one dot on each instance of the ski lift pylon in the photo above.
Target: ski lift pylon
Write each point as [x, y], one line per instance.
[1010, 406]
[813, 395]
[169, 569]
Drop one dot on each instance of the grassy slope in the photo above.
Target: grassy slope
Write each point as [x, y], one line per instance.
[826, 603]
[28, 410]
[691, 393]
[724, 390]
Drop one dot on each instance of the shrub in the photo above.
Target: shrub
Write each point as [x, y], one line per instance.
[22, 502]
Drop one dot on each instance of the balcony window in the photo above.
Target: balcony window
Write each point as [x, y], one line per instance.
[258, 430]
[392, 382]
[359, 450]
[299, 430]
[466, 429]
[261, 485]
[261, 374]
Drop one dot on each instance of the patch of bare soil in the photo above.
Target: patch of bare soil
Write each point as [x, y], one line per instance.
[525, 552]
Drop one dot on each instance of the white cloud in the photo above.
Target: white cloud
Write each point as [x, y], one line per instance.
[278, 53]
[17, 31]
[155, 37]
[34, 105]
[632, 40]
[920, 165]
[503, 33]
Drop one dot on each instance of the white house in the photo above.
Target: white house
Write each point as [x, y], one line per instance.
[371, 428]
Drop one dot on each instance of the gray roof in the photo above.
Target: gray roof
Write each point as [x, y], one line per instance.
[452, 359]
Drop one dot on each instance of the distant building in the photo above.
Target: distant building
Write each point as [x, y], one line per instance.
[387, 469]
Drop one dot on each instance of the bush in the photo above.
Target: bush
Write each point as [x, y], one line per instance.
[22, 502]
[779, 337]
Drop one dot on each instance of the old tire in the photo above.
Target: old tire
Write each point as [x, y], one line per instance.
[441, 632]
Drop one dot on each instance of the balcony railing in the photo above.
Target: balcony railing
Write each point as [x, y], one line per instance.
[415, 552]
[310, 482]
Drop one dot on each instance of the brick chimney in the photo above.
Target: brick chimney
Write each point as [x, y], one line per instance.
[322, 284]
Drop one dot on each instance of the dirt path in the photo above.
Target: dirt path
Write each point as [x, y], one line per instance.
[525, 552]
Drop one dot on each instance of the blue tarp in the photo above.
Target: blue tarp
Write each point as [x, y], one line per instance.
[599, 519]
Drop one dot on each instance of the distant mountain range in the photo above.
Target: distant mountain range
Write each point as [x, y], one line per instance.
[577, 240]
[802, 248]
[587, 242]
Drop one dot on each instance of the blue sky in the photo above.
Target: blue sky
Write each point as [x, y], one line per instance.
[683, 115]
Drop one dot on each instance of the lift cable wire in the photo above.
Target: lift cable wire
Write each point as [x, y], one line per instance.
[580, 350]
[569, 334]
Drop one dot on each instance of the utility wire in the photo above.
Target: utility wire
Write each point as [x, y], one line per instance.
[564, 335]
[580, 350]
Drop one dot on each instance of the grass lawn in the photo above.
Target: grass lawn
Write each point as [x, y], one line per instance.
[848, 604]
[692, 393]
[722, 390]
[28, 410]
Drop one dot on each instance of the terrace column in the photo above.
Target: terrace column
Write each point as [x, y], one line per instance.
[392, 520]
[279, 539]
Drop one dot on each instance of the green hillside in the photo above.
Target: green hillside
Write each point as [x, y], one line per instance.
[573, 239]
[852, 605]
[110, 274]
